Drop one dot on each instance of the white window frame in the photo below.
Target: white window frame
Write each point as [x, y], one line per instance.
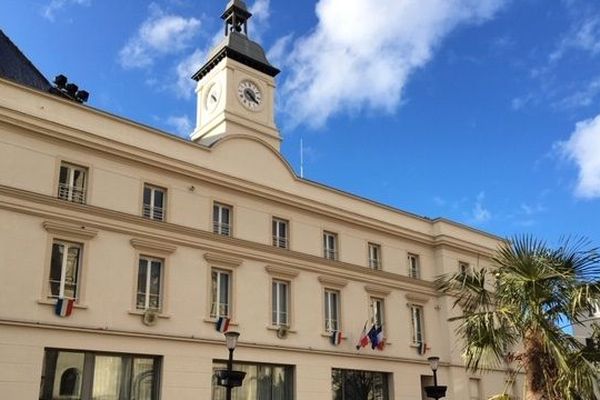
[377, 310]
[330, 245]
[62, 282]
[279, 240]
[217, 293]
[331, 324]
[148, 266]
[414, 266]
[219, 226]
[150, 210]
[417, 322]
[278, 287]
[374, 256]
[68, 191]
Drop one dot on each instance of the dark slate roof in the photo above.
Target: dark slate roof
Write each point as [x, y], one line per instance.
[16, 67]
[238, 47]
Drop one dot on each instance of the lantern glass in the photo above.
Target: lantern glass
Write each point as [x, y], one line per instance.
[434, 363]
[231, 339]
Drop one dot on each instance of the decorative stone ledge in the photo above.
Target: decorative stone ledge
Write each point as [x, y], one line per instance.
[70, 230]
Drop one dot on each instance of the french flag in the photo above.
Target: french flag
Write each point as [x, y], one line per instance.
[422, 348]
[376, 337]
[222, 324]
[364, 338]
[336, 338]
[64, 307]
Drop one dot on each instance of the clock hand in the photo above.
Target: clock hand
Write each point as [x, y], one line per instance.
[212, 96]
[250, 95]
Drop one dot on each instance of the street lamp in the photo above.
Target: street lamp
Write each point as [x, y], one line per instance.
[435, 392]
[228, 377]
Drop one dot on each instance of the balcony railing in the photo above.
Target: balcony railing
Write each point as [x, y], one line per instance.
[330, 254]
[222, 228]
[71, 193]
[155, 213]
[279, 241]
[374, 263]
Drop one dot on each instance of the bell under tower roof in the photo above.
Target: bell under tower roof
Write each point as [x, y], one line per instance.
[236, 44]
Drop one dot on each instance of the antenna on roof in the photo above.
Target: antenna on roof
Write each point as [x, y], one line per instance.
[301, 158]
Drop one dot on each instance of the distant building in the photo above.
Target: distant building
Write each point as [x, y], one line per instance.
[155, 238]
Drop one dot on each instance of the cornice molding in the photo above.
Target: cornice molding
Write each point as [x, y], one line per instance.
[222, 260]
[381, 291]
[152, 246]
[333, 281]
[417, 298]
[80, 232]
[286, 273]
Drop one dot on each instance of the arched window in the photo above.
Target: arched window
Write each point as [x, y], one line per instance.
[69, 382]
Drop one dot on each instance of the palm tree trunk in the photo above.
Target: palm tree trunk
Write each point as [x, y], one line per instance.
[533, 360]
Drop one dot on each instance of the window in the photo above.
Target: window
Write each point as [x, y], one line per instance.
[347, 384]
[280, 233]
[474, 389]
[413, 266]
[374, 256]
[65, 269]
[220, 294]
[330, 246]
[416, 323]
[222, 219]
[86, 376]
[280, 303]
[377, 311]
[262, 382]
[464, 267]
[154, 203]
[72, 183]
[332, 310]
[149, 285]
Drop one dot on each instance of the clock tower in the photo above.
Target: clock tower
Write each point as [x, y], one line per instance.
[236, 86]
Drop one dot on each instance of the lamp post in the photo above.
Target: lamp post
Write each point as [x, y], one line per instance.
[228, 377]
[435, 392]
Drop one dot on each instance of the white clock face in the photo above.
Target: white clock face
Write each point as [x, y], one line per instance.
[213, 96]
[249, 95]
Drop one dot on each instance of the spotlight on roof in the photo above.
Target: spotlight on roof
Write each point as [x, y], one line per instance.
[72, 89]
[82, 96]
[69, 90]
[60, 81]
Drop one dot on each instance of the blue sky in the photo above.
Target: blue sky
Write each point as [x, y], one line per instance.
[486, 112]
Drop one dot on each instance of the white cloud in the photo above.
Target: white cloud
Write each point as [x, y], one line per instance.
[583, 97]
[54, 6]
[185, 69]
[480, 214]
[350, 62]
[158, 35]
[584, 36]
[181, 124]
[583, 148]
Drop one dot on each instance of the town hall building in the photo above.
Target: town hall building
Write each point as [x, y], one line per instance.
[149, 242]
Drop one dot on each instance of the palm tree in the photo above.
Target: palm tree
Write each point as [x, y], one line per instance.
[524, 302]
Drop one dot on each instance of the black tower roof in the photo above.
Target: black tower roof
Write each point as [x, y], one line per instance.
[236, 44]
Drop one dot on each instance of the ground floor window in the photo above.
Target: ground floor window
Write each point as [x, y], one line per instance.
[81, 375]
[262, 382]
[348, 384]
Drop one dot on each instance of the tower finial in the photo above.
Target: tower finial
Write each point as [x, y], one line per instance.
[236, 17]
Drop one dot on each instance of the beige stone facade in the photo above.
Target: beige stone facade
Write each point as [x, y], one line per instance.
[244, 171]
